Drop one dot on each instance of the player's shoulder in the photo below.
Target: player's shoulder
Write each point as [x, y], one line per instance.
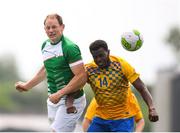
[117, 58]
[90, 64]
[47, 41]
[67, 42]
[93, 101]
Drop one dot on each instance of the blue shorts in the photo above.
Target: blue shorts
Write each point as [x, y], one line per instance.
[121, 125]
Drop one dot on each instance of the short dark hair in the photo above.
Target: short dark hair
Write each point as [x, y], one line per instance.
[97, 45]
[58, 17]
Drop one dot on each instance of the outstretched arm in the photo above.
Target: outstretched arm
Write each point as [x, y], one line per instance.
[25, 86]
[140, 86]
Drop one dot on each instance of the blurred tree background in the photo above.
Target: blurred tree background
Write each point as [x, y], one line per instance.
[172, 39]
[11, 100]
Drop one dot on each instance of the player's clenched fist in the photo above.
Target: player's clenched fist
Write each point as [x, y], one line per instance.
[153, 116]
[21, 86]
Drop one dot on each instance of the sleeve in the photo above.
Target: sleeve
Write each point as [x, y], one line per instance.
[138, 116]
[85, 66]
[73, 54]
[43, 45]
[91, 110]
[129, 71]
[87, 69]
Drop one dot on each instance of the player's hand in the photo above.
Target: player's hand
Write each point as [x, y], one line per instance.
[54, 98]
[153, 116]
[21, 86]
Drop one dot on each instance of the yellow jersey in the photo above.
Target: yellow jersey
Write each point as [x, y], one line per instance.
[111, 86]
[91, 111]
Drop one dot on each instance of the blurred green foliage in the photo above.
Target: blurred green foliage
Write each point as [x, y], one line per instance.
[8, 69]
[173, 38]
[144, 109]
[12, 101]
[89, 93]
[5, 94]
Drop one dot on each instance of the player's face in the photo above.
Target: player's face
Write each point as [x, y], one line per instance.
[101, 57]
[53, 29]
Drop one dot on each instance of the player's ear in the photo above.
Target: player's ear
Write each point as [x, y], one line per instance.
[44, 27]
[63, 25]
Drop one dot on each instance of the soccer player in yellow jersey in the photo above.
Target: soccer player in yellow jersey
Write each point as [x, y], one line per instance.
[91, 112]
[110, 79]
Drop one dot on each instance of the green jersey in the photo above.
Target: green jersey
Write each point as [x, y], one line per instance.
[58, 59]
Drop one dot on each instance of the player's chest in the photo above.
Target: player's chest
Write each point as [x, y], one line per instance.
[53, 57]
[107, 78]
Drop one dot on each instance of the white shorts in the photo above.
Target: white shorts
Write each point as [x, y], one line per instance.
[60, 120]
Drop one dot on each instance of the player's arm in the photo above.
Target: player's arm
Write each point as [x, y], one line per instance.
[25, 86]
[85, 124]
[90, 113]
[79, 80]
[140, 86]
[140, 125]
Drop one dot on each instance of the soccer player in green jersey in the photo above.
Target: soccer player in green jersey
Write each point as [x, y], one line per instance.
[64, 69]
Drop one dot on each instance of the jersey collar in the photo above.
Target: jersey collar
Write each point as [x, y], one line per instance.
[57, 41]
